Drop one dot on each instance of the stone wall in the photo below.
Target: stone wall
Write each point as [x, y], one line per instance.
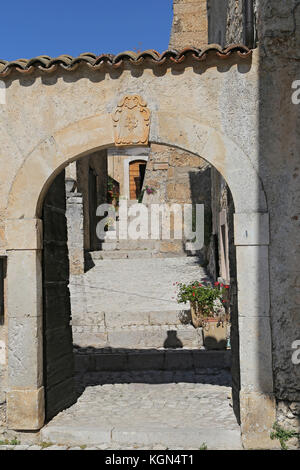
[182, 178]
[217, 21]
[226, 24]
[279, 142]
[92, 184]
[277, 27]
[2, 333]
[222, 266]
[234, 29]
[115, 169]
[74, 215]
[118, 160]
[58, 348]
[189, 23]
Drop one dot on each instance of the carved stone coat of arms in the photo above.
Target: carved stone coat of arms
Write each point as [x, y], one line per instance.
[131, 121]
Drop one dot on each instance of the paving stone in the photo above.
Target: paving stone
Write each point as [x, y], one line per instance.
[56, 447]
[126, 285]
[149, 408]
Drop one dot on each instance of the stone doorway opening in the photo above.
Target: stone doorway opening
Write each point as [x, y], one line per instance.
[129, 369]
[137, 171]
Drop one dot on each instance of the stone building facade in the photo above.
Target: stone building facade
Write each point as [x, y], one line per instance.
[190, 23]
[276, 32]
[273, 27]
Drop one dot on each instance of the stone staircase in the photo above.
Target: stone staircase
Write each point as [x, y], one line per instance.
[138, 249]
[126, 249]
[138, 332]
[143, 379]
[125, 315]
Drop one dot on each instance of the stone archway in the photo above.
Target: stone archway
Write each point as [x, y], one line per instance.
[24, 245]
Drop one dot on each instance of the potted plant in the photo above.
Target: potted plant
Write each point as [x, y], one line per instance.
[208, 312]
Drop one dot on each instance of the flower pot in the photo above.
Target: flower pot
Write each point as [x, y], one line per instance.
[196, 318]
[214, 333]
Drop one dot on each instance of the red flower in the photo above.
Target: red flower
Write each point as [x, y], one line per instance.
[222, 285]
[227, 287]
[200, 285]
[217, 283]
[194, 294]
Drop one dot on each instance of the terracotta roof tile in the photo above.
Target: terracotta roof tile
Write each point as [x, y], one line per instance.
[67, 62]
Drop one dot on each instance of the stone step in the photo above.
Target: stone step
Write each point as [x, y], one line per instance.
[130, 318]
[141, 318]
[89, 360]
[138, 337]
[129, 245]
[123, 254]
[135, 254]
[141, 434]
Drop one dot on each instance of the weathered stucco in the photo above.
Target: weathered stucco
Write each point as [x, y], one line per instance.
[89, 96]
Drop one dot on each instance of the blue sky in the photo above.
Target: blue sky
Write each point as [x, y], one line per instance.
[37, 27]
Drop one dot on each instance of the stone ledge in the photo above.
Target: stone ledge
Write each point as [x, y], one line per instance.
[164, 360]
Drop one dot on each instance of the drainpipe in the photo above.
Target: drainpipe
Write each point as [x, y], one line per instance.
[248, 20]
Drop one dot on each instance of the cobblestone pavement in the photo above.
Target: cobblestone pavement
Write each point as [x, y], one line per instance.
[146, 284]
[175, 410]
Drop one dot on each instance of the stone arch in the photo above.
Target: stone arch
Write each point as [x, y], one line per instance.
[53, 154]
[24, 242]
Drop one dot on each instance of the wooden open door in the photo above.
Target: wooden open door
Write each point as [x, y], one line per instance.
[137, 170]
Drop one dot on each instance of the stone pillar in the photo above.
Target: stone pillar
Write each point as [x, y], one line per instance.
[25, 396]
[74, 215]
[257, 401]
